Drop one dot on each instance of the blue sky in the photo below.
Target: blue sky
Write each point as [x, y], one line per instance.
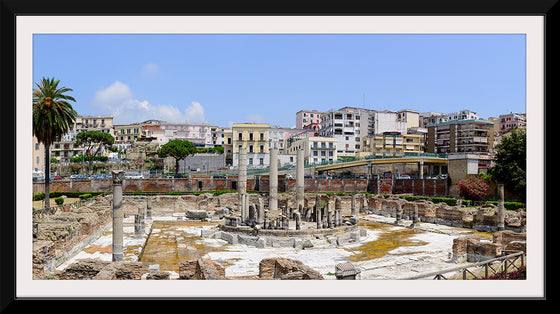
[224, 79]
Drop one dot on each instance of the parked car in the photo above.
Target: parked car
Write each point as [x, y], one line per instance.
[79, 177]
[134, 176]
[322, 176]
[223, 168]
[58, 178]
[307, 176]
[404, 176]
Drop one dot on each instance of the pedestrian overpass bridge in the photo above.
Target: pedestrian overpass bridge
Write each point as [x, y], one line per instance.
[426, 159]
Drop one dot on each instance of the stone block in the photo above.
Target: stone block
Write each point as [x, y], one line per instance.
[286, 269]
[201, 269]
[196, 214]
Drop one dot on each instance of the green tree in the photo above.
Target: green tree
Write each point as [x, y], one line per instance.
[53, 116]
[94, 141]
[511, 161]
[178, 149]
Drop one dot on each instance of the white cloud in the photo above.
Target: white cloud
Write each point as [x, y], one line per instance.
[149, 69]
[195, 113]
[118, 100]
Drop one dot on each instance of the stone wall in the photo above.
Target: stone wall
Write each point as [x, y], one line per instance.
[196, 183]
[472, 249]
[482, 218]
[65, 233]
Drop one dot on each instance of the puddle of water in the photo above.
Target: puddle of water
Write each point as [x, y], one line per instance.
[389, 238]
[172, 242]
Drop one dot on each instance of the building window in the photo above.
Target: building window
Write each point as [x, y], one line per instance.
[261, 161]
[261, 148]
[250, 136]
[250, 161]
[250, 148]
[240, 136]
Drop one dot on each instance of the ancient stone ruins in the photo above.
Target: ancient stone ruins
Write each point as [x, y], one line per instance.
[267, 220]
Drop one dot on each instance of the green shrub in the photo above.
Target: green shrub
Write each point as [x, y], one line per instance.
[84, 196]
[448, 200]
[39, 196]
[508, 205]
[340, 193]
[59, 200]
[220, 192]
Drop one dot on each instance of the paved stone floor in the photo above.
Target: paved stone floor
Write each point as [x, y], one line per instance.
[388, 252]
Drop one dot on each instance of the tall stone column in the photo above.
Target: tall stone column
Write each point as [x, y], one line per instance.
[421, 168]
[149, 208]
[118, 215]
[260, 211]
[300, 183]
[398, 213]
[414, 216]
[242, 184]
[501, 208]
[273, 180]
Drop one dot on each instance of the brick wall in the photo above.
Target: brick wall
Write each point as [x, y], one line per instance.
[426, 187]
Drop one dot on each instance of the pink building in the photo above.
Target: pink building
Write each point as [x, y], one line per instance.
[306, 117]
[512, 121]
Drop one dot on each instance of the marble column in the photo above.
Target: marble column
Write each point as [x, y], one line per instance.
[273, 180]
[398, 213]
[118, 216]
[242, 182]
[149, 208]
[300, 183]
[501, 208]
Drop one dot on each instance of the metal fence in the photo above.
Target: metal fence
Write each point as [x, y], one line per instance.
[480, 270]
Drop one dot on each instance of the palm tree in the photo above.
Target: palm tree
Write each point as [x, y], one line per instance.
[52, 117]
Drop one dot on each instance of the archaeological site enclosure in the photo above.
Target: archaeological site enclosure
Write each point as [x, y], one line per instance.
[250, 234]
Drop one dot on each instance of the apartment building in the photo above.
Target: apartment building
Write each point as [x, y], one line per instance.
[388, 121]
[462, 115]
[347, 125]
[411, 117]
[63, 150]
[512, 121]
[254, 137]
[426, 118]
[306, 117]
[127, 133]
[393, 144]
[90, 123]
[461, 136]
[217, 136]
[38, 157]
[317, 149]
[198, 133]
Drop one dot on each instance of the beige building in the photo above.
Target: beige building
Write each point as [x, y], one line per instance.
[91, 123]
[317, 149]
[38, 157]
[393, 144]
[127, 133]
[64, 150]
[254, 137]
[411, 117]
